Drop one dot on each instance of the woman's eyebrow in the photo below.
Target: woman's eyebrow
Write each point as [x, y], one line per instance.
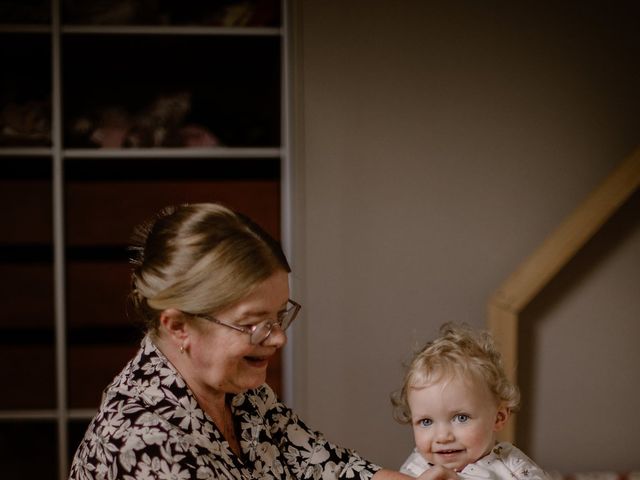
[254, 313]
[261, 312]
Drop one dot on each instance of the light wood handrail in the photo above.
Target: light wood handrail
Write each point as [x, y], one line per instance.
[554, 253]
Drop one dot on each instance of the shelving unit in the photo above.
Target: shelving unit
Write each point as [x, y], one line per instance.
[72, 202]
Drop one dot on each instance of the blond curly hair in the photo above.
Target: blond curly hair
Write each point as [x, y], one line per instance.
[459, 351]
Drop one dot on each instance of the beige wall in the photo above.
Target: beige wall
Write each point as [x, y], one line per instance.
[437, 144]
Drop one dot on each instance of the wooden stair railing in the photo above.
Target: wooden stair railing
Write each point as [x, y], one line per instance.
[546, 261]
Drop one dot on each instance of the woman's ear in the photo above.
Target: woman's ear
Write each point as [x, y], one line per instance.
[173, 323]
[501, 417]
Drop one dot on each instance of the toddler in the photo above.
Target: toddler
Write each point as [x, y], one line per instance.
[456, 397]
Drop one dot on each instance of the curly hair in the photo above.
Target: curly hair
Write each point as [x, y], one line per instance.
[459, 351]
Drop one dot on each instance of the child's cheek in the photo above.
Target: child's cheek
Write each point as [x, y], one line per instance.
[422, 440]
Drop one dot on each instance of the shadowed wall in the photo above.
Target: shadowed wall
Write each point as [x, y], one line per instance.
[438, 143]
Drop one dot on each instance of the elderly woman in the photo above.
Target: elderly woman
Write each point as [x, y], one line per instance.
[212, 289]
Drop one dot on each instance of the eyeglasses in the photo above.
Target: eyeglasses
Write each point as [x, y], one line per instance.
[259, 332]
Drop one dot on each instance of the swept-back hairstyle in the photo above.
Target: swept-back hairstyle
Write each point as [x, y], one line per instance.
[458, 352]
[199, 258]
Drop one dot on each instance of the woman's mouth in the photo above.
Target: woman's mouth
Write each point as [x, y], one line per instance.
[257, 362]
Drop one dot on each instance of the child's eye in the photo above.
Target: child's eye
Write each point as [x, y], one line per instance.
[461, 418]
[426, 422]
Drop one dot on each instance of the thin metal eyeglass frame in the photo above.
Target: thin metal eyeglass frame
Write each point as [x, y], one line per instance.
[295, 309]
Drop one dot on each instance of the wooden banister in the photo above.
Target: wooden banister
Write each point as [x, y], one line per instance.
[546, 261]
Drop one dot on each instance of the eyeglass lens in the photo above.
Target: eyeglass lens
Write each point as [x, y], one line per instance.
[263, 330]
[260, 333]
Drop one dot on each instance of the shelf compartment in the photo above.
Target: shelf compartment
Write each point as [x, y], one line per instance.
[171, 91]
[27, 208]
[29, 449]
[104, 286]
[25, 13]
[26, 196]
[104, 205]
[29, 371]
[229, 13]
[115, 335]
[91, 367]
[25, 90]
[27, 335]
[27, 298]
[110, 211]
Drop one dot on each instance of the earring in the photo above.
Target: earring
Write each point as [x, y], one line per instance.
[181, 348]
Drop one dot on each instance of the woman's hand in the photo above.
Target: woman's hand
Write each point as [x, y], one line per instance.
[434, 473]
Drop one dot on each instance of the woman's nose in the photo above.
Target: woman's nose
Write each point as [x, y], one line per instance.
[277, 338]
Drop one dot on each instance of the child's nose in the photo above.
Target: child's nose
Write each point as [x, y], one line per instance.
[444, 433]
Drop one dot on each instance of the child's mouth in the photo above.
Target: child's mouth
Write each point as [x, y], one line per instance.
[448, 452]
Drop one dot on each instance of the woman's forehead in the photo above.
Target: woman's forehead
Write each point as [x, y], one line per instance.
[266, 297]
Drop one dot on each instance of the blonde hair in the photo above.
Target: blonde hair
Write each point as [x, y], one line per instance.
[461, 352]
[199, 258]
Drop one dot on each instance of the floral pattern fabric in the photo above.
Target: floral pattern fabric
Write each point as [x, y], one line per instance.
[150, 426]
[504, 462]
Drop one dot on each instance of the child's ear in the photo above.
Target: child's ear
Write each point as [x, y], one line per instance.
[501, 417]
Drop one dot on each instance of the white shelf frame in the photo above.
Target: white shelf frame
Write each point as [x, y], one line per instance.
[62, 414]
[151, 153]
[26, 152]
[155, 153]
[170, 30]
[146, 30]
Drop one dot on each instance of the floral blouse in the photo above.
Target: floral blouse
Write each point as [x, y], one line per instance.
[504, 462]
[150, 426]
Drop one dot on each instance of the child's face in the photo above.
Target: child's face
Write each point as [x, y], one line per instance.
[455, 421]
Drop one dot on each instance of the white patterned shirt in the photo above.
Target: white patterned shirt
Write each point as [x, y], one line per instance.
[504, 462]
[150, 426]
